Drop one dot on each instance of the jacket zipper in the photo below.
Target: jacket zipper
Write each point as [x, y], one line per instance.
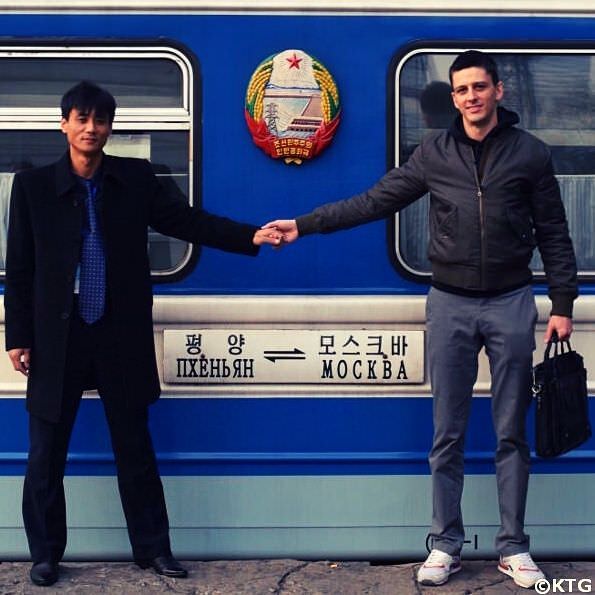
[480, 200]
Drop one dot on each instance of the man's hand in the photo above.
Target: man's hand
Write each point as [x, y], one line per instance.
[287, 227]
[561, 324]
[20, 358]
[267, 236]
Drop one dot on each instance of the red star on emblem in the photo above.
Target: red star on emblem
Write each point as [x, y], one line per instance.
[294, 62]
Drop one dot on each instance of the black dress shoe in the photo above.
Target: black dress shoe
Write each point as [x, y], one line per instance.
[44, 574]
[165, 565]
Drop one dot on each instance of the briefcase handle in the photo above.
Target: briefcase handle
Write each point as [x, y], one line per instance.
[561, 346]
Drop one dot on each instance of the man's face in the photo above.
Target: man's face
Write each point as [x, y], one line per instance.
[86, 133]
[476, 96]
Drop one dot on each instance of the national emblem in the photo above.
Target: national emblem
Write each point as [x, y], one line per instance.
[292, 106]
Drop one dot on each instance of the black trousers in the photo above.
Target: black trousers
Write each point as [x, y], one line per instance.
[91, 355]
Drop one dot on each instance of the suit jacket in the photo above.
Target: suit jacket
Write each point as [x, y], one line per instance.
[43, 253]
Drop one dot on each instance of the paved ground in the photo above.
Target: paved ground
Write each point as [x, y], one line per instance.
[289, 577]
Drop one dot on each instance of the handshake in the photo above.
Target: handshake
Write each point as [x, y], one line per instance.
[277, 233]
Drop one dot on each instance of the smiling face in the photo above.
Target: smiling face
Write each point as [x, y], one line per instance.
[476, 96]
[86, 132]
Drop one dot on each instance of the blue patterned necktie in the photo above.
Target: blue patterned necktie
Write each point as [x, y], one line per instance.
[92, 274]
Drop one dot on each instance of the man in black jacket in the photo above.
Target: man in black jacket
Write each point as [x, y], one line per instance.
[494, 198]
[78, 303]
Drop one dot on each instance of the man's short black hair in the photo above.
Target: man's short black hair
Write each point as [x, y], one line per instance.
[474, 58]
[87, 97]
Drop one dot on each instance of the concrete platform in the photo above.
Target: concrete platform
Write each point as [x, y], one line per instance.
[289, 577]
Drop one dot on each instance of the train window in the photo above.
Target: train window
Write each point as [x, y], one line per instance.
[552, 91]
[154, 120]
[134, 82]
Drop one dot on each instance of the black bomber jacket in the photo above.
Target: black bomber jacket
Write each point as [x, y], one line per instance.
[486, 216]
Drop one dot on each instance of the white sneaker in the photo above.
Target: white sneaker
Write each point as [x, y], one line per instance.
[437, 568]
[522, 569]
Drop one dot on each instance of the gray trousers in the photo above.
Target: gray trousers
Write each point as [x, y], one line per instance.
[458, 327]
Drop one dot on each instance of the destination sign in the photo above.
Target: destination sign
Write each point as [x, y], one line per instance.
[324, 356]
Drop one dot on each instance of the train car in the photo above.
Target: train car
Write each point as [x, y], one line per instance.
[295, 417]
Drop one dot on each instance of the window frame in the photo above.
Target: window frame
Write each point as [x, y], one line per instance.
[128, 119]
[394, 125]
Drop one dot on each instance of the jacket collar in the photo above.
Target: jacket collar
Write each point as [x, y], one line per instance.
[66, 181]
[111, 168]
[506, 119]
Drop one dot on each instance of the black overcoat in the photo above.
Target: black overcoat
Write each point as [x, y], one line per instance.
[43, 253]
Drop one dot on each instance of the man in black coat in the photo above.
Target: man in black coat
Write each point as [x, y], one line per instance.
[78, 304]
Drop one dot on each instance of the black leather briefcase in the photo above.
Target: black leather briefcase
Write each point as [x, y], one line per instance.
[560, 389]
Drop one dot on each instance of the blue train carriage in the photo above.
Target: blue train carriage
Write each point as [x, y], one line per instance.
[296, 411]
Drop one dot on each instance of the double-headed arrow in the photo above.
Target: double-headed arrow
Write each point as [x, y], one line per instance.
[295, 353]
